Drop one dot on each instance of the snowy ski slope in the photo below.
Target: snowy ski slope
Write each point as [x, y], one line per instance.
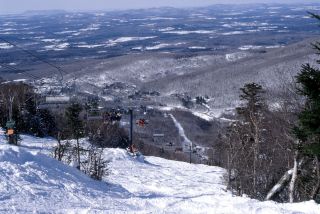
[33, 182]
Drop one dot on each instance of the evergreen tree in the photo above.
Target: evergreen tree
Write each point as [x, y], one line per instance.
[187, 102]
[200, 100]
[73, 119]
[75, 125]
[245, 147]
[252, 94]
[47, 123]
[308, 129]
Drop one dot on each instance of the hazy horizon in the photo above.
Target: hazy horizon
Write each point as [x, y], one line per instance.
[15, 6]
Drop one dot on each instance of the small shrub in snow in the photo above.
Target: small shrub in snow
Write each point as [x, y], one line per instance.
[95, 166]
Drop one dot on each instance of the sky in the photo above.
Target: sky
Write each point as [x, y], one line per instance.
[18, 6]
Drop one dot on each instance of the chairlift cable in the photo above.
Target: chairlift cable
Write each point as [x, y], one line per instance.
[35, 56]
[19, 70]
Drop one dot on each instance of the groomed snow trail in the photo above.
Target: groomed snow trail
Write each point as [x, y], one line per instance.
[186, 141]
[32, 182]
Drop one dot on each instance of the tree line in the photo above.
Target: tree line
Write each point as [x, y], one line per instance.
[271, 151]
[19, 102]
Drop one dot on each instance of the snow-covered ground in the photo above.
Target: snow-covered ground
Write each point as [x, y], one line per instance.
[33, 182]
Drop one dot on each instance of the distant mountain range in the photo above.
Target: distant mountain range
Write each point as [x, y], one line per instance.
[58, 35]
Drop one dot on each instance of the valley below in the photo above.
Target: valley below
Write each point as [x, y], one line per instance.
[189, 63]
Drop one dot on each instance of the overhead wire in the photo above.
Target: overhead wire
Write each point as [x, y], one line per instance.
[20, 71]
[59, 69]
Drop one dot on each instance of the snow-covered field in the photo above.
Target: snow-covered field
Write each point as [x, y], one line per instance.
[33, 182]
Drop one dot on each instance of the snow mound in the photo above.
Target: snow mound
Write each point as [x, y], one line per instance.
[112, 155]
[37, 183]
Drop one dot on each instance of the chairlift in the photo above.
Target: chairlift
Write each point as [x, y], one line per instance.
[170, 147]
[116, 116]
[141, 122]
[57, 99]
[94, 114]
[143, 109]
[170, 144]
[112, 116]
[144, 116]
[158, 138]
[50, 101]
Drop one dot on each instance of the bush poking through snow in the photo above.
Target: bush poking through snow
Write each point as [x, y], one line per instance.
[92, 161]
[95, 166]
[60, 150]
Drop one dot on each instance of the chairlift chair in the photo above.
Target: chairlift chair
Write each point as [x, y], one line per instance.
[50, 101]
[144, 118]
[141, 122]
[113, 116]
[57, 99]
[94, 114]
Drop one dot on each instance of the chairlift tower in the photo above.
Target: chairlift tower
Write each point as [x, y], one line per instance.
[131, 127]
[140, 123]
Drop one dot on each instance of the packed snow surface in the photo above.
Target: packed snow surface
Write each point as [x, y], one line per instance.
[186, 141]
[33, 182]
